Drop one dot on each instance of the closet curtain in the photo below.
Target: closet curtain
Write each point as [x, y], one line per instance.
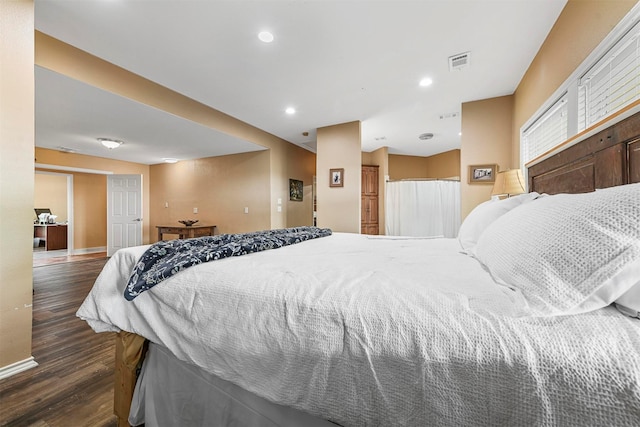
[422, 208]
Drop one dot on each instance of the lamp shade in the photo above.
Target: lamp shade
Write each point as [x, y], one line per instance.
[508, 183]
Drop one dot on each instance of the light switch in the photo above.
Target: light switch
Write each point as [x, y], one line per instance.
[246, 210]
[279, 201]
[166, 204]
[195, 210]
[279, 208]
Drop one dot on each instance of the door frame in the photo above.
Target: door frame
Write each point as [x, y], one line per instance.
[70, 247]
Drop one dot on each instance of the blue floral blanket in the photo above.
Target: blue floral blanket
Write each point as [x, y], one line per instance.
[164, 259]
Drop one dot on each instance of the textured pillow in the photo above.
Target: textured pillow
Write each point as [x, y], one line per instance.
[484, 214]
[629, 303]
[567, 253]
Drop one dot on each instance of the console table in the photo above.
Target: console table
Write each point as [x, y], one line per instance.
[186, 232]
[53, 235]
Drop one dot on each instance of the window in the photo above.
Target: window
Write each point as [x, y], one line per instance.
[611, 83]
[605, 83]
[549, 130]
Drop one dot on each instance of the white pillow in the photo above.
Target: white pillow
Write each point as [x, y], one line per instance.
[629, 303]
[484, 214]
[567, 253]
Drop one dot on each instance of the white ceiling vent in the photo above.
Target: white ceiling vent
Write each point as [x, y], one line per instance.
[460, 61]
[449, 115]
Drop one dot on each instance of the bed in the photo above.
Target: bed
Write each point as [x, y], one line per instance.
[528, 318]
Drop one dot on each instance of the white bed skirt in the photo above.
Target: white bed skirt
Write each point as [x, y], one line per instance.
[172, 393]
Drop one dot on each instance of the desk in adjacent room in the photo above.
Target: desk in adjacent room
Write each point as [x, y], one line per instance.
[53, 235]
[186, 232]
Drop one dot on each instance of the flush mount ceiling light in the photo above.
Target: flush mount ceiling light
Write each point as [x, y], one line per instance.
[110, 143]
[290, 110]
[265, 36]
[425, 136]
[169, 160]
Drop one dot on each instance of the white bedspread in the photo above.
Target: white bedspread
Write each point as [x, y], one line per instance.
[389, 332]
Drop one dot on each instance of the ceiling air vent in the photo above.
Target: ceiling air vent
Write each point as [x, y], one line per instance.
[460, 61]
[425, 136]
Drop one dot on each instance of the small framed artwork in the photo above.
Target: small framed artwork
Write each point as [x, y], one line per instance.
[336, 177]
[295, 190]
[482, 174]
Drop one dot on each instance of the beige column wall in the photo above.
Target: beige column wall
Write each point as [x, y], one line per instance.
[486, 139]
[339, 146]
[17, 137]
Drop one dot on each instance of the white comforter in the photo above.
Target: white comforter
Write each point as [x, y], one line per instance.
[382, 331]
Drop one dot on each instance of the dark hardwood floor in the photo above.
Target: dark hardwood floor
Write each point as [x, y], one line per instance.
[73, 384]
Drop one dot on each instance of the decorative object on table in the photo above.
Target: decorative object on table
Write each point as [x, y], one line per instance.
[482, 174]
[295, 190]
[336, 177]
[43, 218]
[188, 222]
[508, 183]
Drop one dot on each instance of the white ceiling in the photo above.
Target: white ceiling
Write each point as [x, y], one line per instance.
[333, 61]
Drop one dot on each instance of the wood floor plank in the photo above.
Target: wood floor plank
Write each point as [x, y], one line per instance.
[73, 384]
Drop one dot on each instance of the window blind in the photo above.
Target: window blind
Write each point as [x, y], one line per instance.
[549, 130]
[613, 82]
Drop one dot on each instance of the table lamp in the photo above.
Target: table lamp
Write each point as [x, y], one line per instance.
[508, 183]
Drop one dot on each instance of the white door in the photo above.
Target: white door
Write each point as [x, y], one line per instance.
[124, 212]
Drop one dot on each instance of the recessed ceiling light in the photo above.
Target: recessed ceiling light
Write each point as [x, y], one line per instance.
[169, 160]
[290, 110]
[110, 143]
[426, 82]
[265, 36]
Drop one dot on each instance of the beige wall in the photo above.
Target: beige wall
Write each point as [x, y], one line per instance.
[90, 194]
[486, 139]
[580, 28]
[16, 179]
[339, 147]
[50, 191]
[220, 187]
[443, 165]
[407, 167]
[301, 165]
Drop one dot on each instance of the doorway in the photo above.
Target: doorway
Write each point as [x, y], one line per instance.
[53, 191]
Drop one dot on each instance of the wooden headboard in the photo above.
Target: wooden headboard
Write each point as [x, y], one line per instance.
[608, 158]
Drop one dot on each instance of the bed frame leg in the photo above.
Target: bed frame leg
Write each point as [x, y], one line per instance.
[130, 349]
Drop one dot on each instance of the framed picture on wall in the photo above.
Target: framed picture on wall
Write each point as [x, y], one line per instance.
[336, 177]
[482, 174]
[295, 190]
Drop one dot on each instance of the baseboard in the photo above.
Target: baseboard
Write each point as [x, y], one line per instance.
[85, 251]
[16, 368]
